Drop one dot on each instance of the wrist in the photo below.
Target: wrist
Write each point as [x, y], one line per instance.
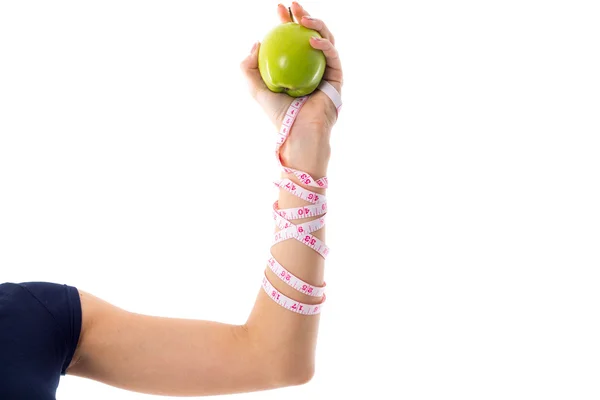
[307, 150]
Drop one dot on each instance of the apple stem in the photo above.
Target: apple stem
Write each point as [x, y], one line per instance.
[291, 16]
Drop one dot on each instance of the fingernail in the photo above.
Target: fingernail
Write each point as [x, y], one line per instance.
[315, 38]
[253, 47]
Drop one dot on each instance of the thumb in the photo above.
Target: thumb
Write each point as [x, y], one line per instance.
[274, 104]
[250, 70]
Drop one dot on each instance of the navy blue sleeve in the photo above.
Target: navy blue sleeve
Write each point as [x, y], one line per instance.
[40, 324]
[63, 304]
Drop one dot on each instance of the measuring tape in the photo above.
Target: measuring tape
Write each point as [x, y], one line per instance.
[301, 232]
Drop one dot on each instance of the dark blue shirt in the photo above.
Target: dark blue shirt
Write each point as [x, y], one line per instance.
[40, 324]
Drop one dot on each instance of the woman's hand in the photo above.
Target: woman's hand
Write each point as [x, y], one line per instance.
[307, 147]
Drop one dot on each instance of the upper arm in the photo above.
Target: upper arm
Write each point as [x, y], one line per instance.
[165, 355]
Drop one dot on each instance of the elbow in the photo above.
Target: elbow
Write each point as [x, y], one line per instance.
[293, 373]
[299, 376]
[278, 378]
[282, 365]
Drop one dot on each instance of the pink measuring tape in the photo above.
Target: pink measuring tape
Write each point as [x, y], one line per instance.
[301, 232]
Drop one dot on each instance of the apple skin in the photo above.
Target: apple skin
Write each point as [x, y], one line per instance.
[288, 63]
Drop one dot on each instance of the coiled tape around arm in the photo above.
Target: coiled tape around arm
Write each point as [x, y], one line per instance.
[301, 232]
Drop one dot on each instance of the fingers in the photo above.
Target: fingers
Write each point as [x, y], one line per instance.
[298, 11]
[284, 14]
[334, 71]
[326, 44]
[331, 54]
[303, 17]
[319, 26]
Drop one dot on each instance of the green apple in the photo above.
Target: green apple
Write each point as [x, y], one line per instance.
[288, 63]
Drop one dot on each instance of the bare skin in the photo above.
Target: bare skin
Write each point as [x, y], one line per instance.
[275, 347]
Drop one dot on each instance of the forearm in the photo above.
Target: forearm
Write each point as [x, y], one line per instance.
[288, 336]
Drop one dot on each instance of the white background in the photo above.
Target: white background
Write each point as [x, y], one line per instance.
[464, 203]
